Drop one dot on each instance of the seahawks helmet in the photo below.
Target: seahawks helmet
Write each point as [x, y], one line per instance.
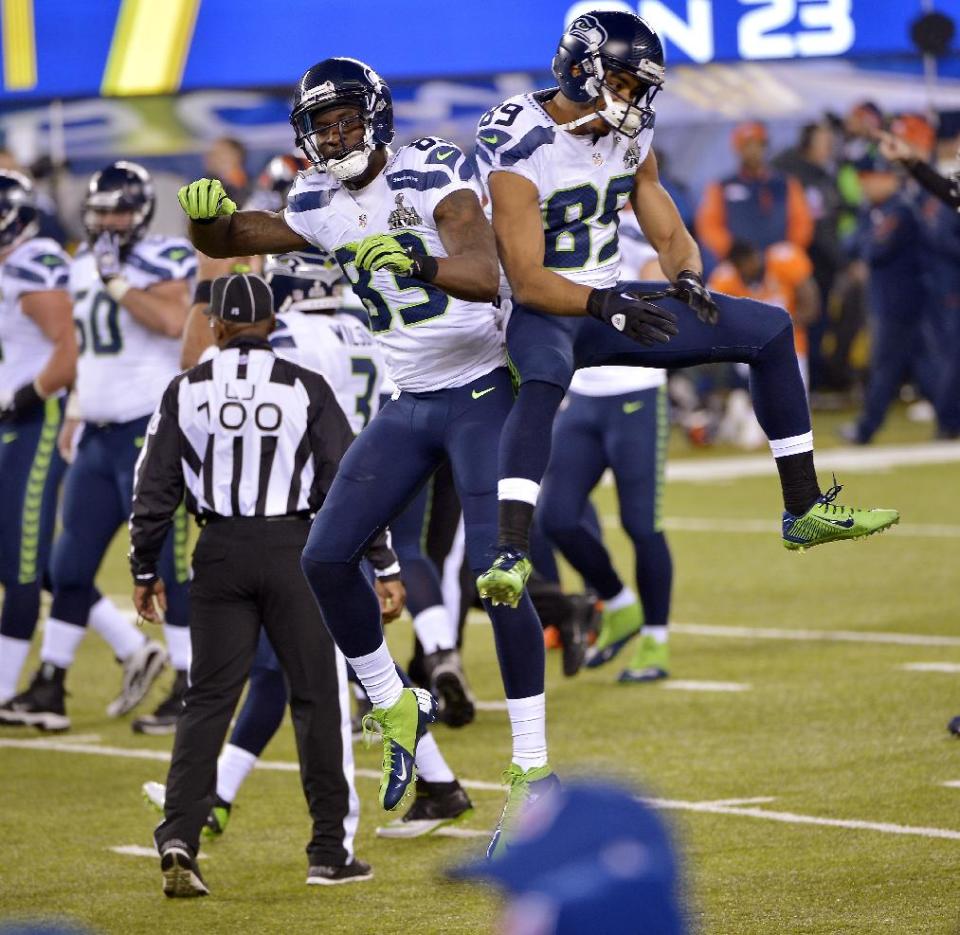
[304, 281]
[611, 40]
[274, 182]
[18, 209]
[340, 82]
[121, 188]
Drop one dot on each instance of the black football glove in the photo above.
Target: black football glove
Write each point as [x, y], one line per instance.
[689, 288]
[637, 317]
[23, 402]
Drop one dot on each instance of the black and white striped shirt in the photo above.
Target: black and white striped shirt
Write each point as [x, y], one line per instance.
[244, 434]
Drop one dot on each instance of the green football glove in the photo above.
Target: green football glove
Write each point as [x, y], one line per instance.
[383, 251]
[205, 200]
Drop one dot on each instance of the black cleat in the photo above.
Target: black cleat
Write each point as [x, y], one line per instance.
[42, 704]
[354, 872]
[448, 685]
[574, 626]
[437, 804]
[181, 875]
[954, 726]
[164, 718]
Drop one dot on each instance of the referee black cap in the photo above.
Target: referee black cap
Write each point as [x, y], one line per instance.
[241, 299]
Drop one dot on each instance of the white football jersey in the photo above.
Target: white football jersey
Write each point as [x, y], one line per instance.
[430, 340]
[342, 351]
[582, 184]
[37, 265]
[124, 367]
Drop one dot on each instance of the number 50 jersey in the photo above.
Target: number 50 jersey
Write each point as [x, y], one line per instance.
[430, 340]
[124, 367]
[582, 183]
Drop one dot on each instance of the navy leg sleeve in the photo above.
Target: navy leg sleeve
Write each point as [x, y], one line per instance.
[382, 470]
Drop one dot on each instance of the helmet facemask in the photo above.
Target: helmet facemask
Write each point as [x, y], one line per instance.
[99, 204]
[629, 115]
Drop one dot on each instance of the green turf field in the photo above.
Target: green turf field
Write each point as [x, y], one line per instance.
[822, 731]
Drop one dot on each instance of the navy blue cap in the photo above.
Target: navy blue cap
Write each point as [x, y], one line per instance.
[589, 857]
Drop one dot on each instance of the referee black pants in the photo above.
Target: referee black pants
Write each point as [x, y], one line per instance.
[247, 575]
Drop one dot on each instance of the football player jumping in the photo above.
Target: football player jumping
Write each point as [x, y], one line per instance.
[408, 230]
[559, 165]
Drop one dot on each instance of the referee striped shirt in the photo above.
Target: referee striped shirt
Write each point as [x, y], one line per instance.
[244, 434]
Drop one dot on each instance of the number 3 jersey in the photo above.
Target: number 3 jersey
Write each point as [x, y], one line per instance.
[124, 367]
[37, 265]
[430, 340]
[582, 183]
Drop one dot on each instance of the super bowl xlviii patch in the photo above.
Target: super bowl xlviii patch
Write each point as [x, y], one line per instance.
[631, 158]
[403, 215]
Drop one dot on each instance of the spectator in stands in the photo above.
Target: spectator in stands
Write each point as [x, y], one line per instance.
[781, 275]
[890, 245]
[226, 159]
[757, 204]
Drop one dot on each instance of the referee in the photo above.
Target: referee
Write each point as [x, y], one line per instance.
[254, 441]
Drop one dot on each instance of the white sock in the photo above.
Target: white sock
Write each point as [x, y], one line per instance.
[794, 445]
[518, 488]
[378, 675]
[528, 720]
[116, 628]
[60, 642]
[13, 654]
[233, 767]
[432, 627]
[430, 762]
[178, 646]
[659, 634]
[624, 599]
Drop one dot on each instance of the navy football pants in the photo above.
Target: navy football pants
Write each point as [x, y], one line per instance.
[545, 350]
[381, 472]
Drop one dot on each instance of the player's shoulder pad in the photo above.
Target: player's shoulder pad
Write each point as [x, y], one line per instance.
[311, 189]
[40, 264]
[513, 131]
[164, 258]
[428, 162]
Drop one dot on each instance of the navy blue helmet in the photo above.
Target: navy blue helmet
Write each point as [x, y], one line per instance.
[121, 188]
[304, 281]
[18, 209]
[611, 40]
[342, 82]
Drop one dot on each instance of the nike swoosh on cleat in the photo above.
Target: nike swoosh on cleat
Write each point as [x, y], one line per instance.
[476, 394]
[630, 408]
[402, 774]
[842, 523]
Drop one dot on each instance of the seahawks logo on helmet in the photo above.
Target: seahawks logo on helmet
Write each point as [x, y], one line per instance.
[588, 31]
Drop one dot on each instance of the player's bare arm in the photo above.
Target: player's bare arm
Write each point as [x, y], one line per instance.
[518, 226]
[661, 222]
[161, 308]
[469, 270]
[52, 313]
[245, 233]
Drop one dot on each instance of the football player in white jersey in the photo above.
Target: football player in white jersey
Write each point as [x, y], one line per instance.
[616, 417]
[131, 294]
[559, 165]
[408, 229]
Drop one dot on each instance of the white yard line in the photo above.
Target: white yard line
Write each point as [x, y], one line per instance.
[490, 705]
[737, 807]
[771, 527]
[949, 667]
[138, 850]
[692, 685]
[827, 636]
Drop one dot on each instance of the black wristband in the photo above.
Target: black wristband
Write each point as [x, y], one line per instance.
[26, 398]
[690, 274]
[203, 220]
[425, 267]
[202, 292]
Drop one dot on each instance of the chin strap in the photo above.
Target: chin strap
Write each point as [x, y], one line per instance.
[579, 122]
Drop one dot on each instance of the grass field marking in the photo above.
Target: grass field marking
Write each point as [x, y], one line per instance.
[949, 667]
[726, 803]
[138, 850]
[490, 705]
[693, 685]
[792, 818]
[768, 527]
[860, 460]
[951, 784]
[829, 636]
